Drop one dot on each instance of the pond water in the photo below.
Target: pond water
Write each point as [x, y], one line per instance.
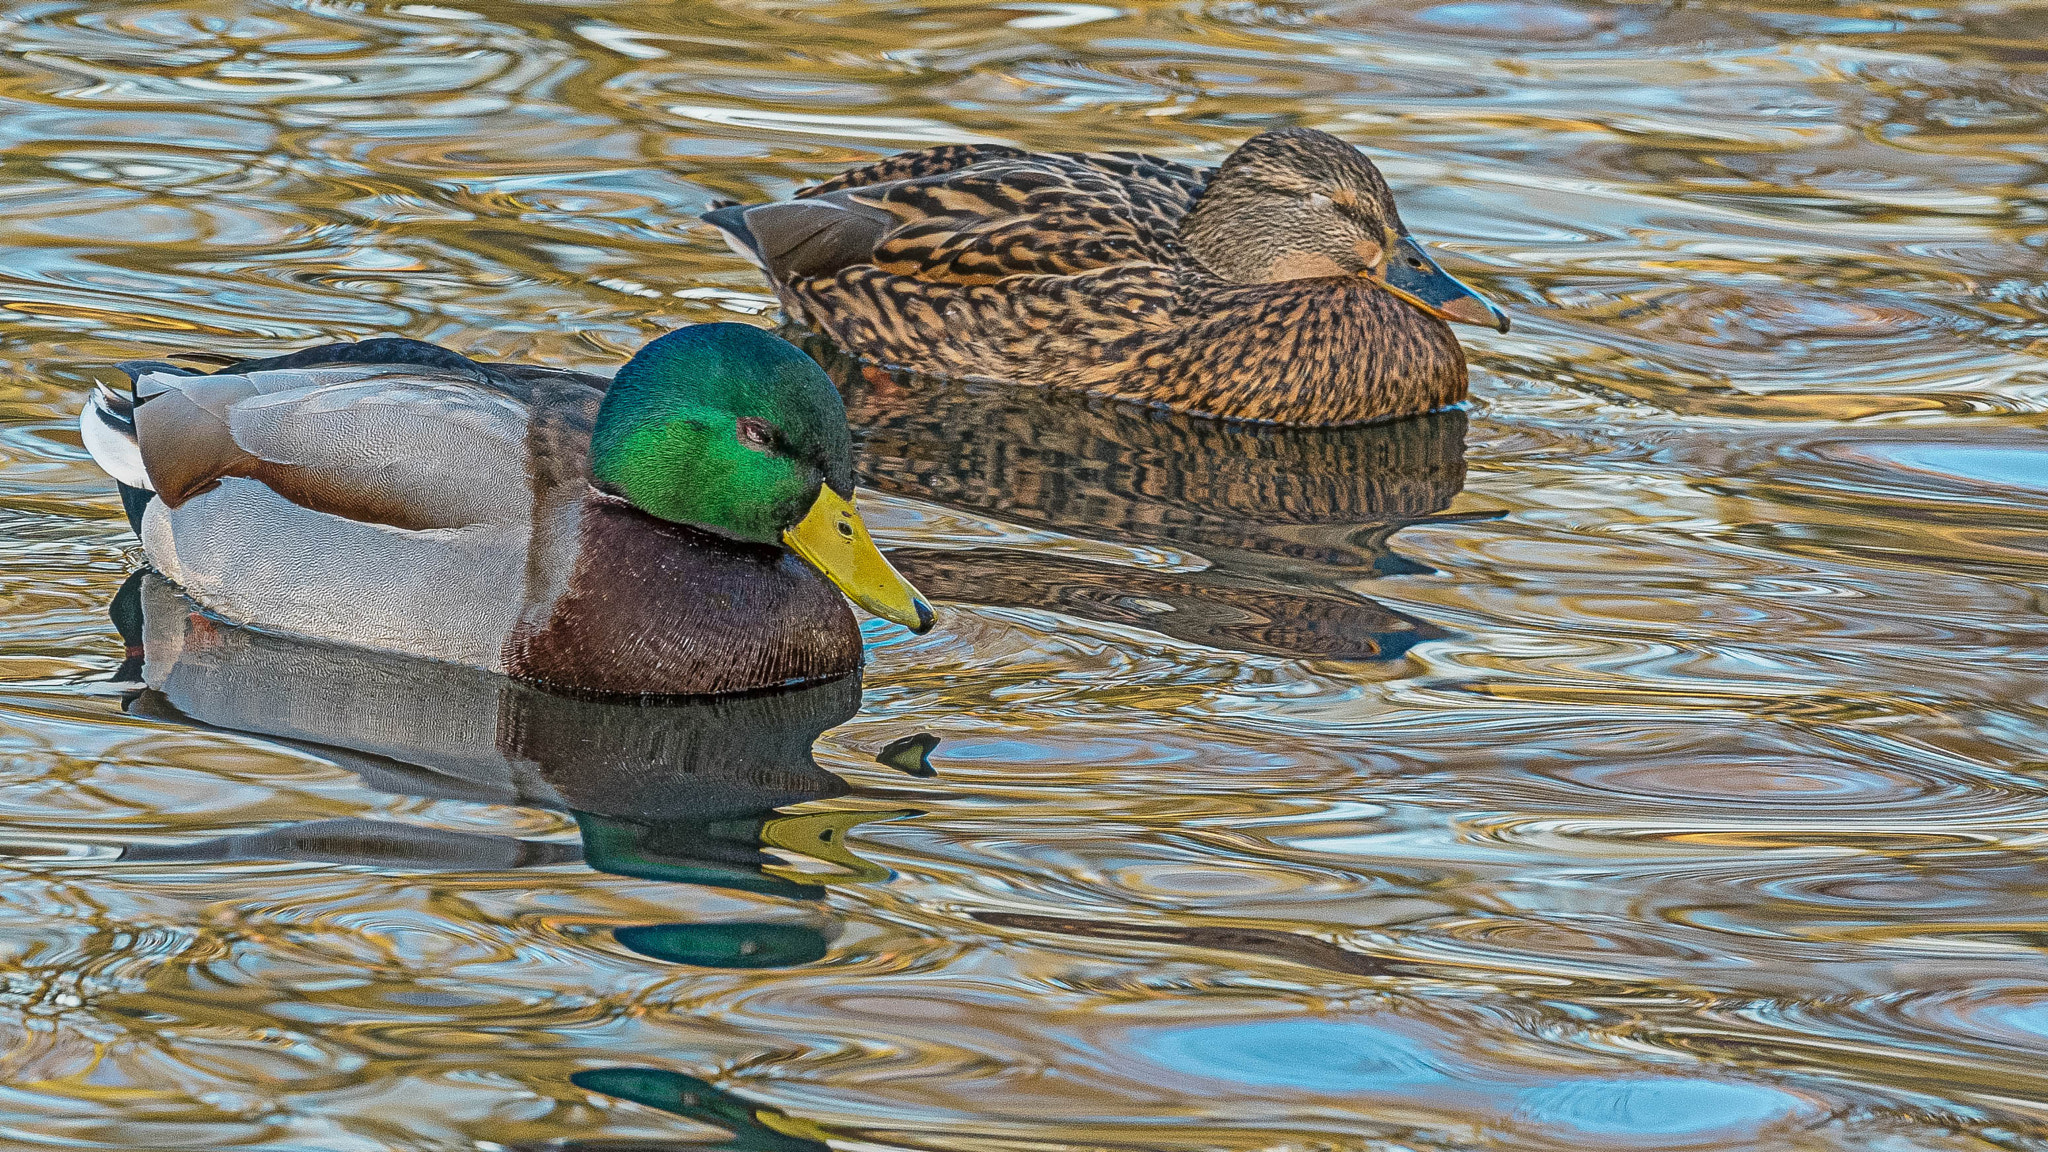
[1648, 757]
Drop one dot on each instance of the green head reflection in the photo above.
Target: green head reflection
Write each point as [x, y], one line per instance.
[754, 1127]
[742, 945]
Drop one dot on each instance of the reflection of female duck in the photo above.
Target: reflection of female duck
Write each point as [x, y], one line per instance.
[1282, 518]
[685, 792]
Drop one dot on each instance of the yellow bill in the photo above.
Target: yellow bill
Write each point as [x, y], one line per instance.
[789, 1125]
[822, 836]
[832, 539]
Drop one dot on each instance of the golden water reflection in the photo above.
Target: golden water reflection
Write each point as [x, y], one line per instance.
[1646, 758]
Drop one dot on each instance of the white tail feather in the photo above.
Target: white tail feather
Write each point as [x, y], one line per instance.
[111, 440]
[742, 249]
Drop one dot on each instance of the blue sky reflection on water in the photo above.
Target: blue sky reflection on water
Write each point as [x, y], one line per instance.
[1325, 1056]
[2021, 468]
[1366, 1059]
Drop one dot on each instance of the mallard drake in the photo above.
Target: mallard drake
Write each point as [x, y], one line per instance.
[1282, 287]
[676, 530]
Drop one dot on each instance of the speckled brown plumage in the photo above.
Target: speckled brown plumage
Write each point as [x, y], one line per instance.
[1069, 270]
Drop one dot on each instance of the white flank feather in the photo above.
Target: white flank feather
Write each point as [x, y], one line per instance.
[740, 249]
[112, 447]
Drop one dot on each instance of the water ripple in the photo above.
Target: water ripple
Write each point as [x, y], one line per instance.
[1647, 758]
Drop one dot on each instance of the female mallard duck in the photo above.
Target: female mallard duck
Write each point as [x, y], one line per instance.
[668, 532]
[1281, 288]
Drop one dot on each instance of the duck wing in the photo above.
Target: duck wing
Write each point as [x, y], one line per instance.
[973, 214]
[403, 445]
[916, 165]
[983, 261]
[1159, 191]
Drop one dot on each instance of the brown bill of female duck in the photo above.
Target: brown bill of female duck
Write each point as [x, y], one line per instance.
[1410, 274]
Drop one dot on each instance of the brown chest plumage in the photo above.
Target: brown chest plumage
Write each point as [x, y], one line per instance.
[1316, 352]
[656, 609]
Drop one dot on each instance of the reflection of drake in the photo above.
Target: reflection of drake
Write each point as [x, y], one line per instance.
[1283, 520]
[686, 792]
[754, 1127]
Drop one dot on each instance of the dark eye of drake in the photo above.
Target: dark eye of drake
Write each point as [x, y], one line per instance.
[756, 433]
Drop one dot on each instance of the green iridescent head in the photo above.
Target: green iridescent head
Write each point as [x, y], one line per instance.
[729, 429]
[724, 427]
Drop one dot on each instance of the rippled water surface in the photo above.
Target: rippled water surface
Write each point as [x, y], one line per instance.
[1649, 757]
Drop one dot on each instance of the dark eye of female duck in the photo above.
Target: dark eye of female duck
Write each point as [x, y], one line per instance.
[1356, 222]
[1299, 204]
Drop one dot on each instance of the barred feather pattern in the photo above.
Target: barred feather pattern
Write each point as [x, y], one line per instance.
[1065, 270]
